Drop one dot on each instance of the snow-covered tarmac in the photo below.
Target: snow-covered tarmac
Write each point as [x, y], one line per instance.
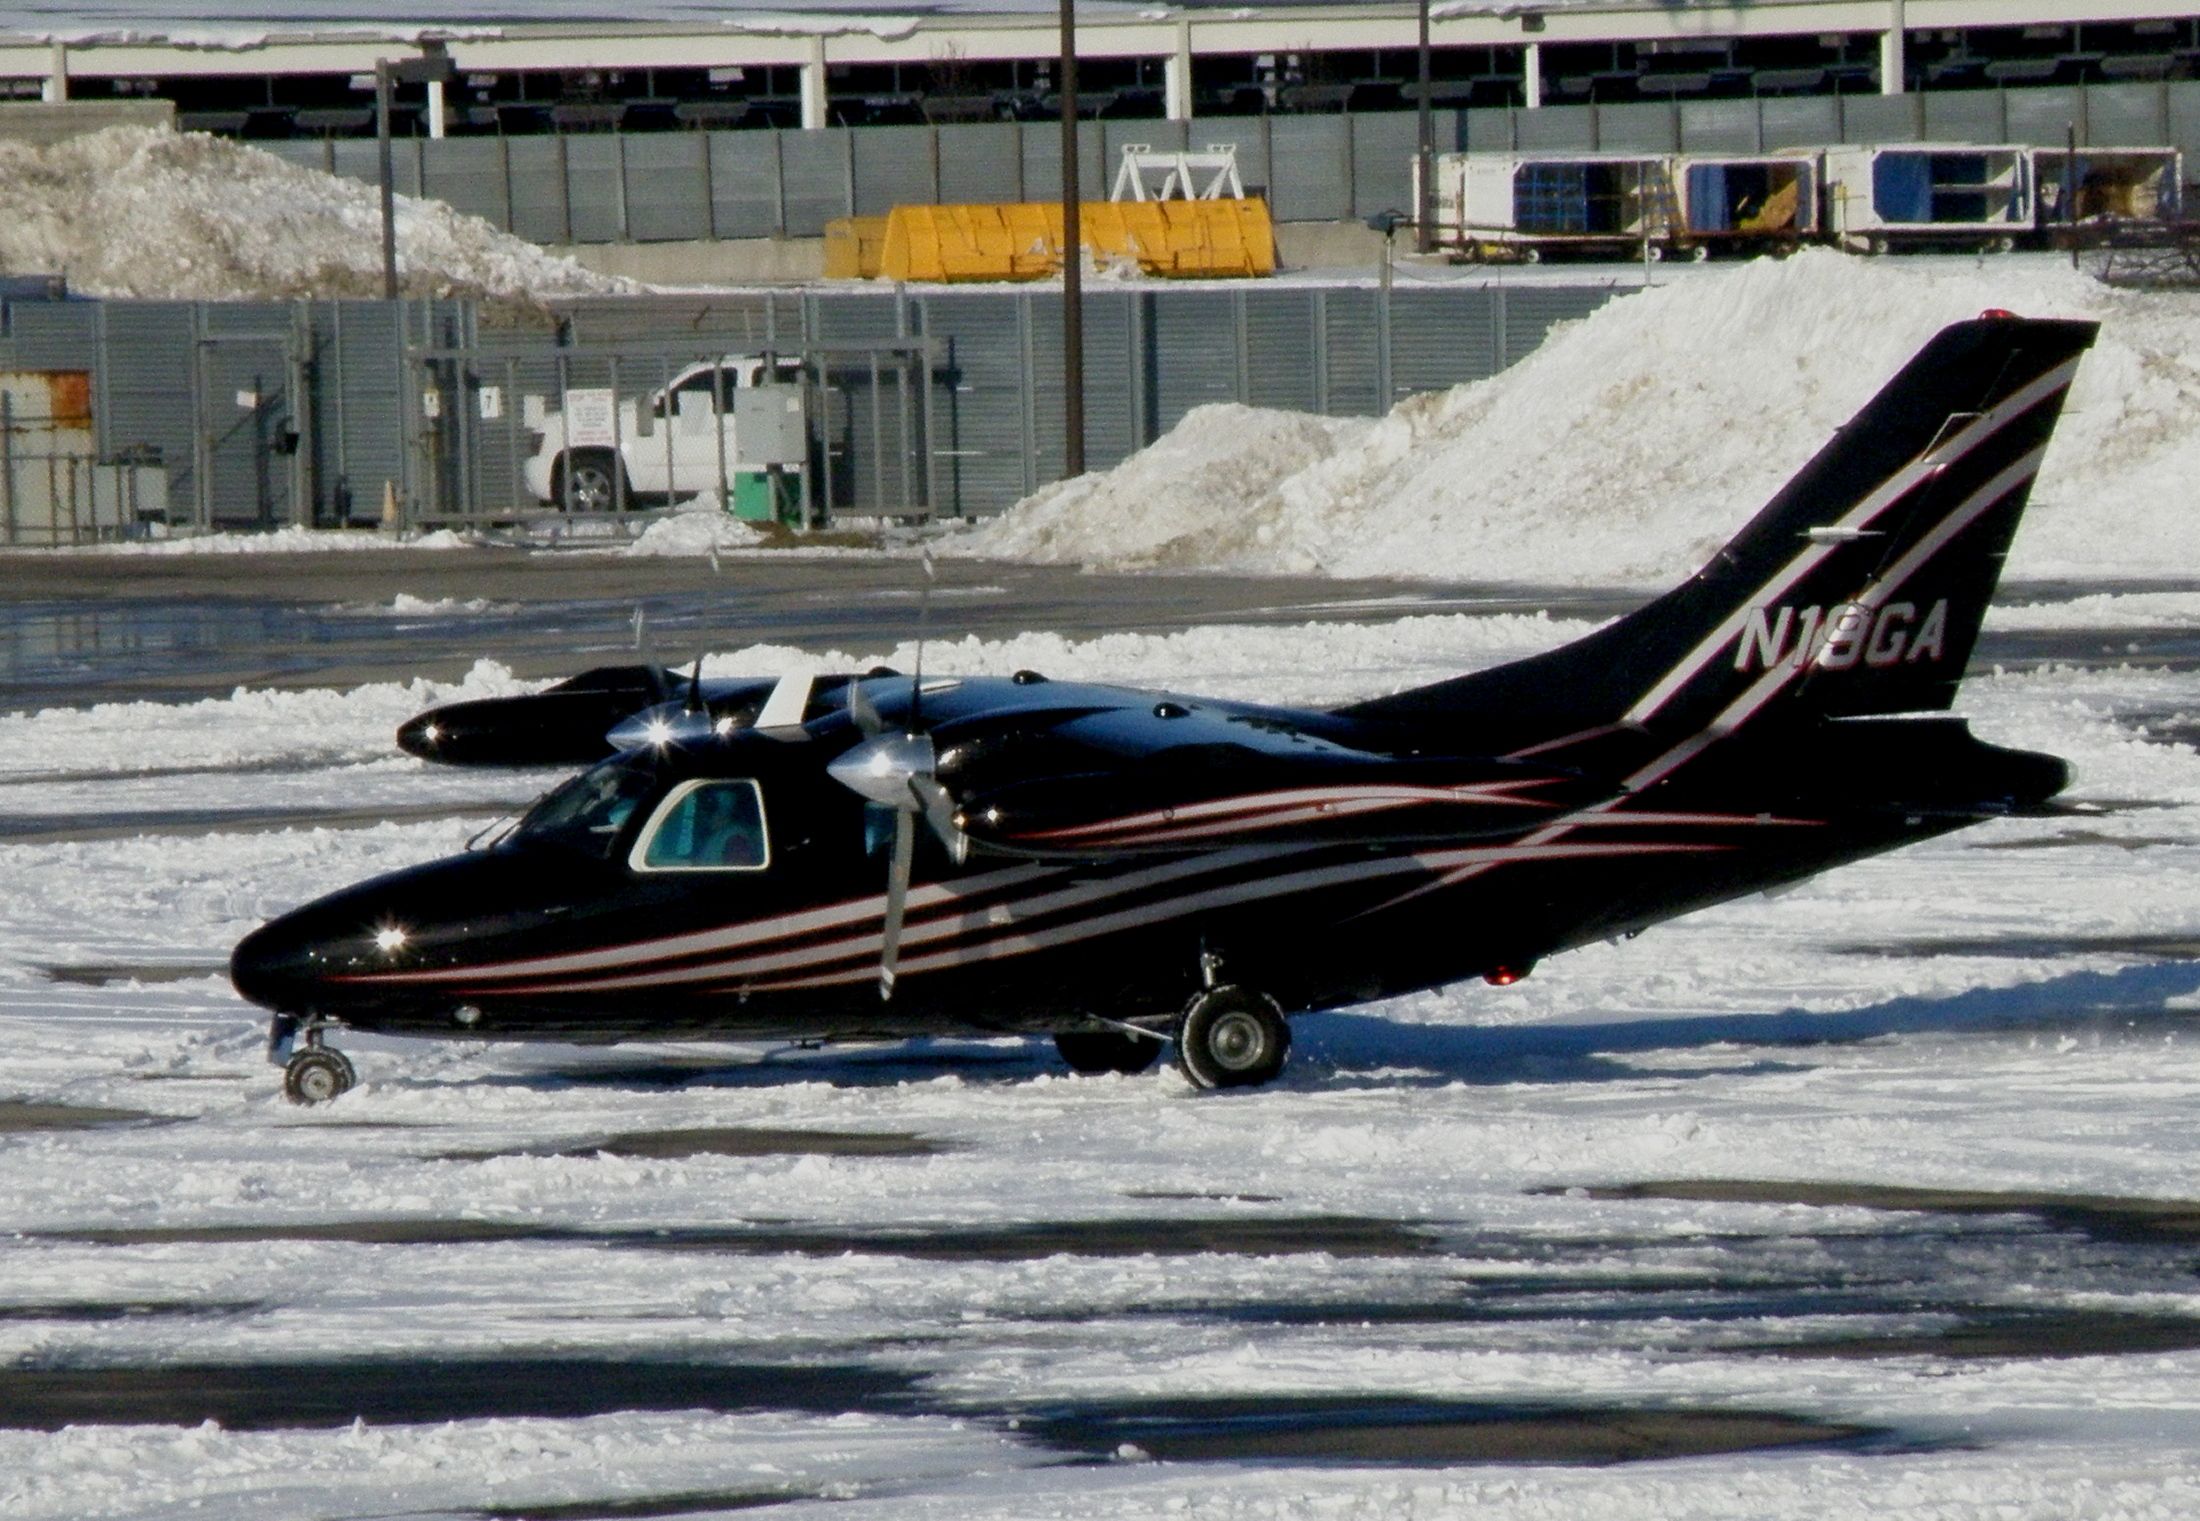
[1474, 1250]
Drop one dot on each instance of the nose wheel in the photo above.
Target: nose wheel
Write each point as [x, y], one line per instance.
[314, 1073]
[316, 1076]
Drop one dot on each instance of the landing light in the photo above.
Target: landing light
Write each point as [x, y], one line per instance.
[390, 939]
[658, 732]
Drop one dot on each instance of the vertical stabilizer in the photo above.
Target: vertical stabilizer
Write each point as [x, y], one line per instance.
[1858, 589]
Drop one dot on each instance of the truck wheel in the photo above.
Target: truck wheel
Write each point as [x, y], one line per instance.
[589, 480]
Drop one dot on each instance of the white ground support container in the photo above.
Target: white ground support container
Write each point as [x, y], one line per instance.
[1746, 202]
[54, 489]
[1525, 205]
[2107, 184]
[1928, 194]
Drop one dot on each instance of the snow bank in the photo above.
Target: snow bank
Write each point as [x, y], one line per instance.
[1635, 441]
[280, 541]
[698, 531]
[132, 211]
[1161, 505]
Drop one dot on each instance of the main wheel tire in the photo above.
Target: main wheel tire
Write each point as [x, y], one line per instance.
[1093, 1052]
[589, 480]
[318, 1075]
[1232, 1037]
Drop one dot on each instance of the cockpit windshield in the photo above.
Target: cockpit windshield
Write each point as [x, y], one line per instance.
[590, 812]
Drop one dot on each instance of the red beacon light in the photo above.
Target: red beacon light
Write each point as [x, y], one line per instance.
[1506, 976]
[1997, 314]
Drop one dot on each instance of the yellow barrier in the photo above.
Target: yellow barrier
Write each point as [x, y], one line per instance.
[852, 246]
[1023, 240]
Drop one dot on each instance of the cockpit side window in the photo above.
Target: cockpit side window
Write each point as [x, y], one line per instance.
[706, 825]
[590, 812]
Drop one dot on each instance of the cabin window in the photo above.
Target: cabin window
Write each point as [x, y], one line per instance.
[590, 812]
[706, 825]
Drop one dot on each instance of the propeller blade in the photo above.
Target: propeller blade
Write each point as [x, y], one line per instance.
[863, 711]
[939, 812]
[924, 629]
[897, 899]
[695, 688]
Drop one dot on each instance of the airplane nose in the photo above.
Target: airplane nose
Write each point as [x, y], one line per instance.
[272, 967]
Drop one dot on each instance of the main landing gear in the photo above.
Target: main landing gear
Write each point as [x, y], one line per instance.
[1231, 1037]
[1227, 1037]
[313, 1073]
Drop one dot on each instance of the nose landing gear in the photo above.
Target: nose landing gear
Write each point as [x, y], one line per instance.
[313, 1073]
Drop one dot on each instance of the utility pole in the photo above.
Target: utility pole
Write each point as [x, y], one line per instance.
[1073, 260]
[433, 66]
[389, 194]
[1424, 201]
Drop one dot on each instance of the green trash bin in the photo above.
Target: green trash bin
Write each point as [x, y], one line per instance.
[762, 497]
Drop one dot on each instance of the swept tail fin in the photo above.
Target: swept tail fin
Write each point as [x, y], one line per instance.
[1858, 589]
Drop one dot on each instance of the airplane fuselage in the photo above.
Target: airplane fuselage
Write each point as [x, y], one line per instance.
[561, 934]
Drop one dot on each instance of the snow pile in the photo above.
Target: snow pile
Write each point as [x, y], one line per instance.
[1636, 441]
[281, 541]
[697, 531]
[251, 728]
[132, 211]
[1160, 505]
[406, 605]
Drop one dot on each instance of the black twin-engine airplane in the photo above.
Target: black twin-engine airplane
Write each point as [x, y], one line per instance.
[882, 856]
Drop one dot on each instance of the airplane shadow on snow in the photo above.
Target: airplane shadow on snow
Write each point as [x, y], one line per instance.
[1351, 1049]
[1348, 1048]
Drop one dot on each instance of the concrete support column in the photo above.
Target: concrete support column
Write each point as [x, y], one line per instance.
[56, 88]
[1893, 54]
[437, 120]
[1177, 75]
[813, 87]
[1531, 75]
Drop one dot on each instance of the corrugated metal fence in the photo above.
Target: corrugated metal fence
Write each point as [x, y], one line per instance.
[266, 413]
[668, 186]
[260, 412]
[1152, 353]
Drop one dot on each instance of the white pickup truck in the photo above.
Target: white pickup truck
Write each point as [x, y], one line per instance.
[682, 440]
